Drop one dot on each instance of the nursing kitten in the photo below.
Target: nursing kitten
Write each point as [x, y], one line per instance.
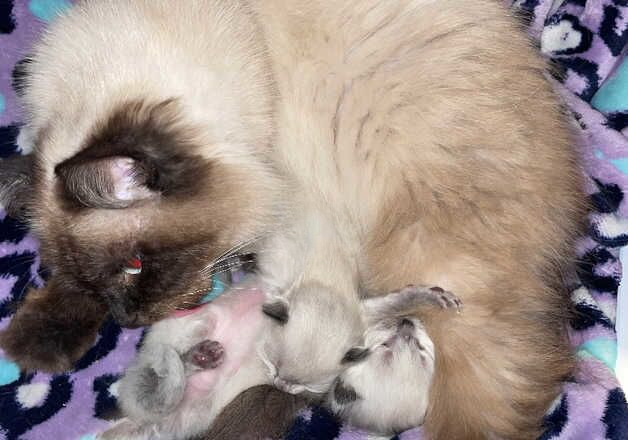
[268, 413]
[190, 367]
[314, 328]
[385, 390]
[317, 315]
[423, 131]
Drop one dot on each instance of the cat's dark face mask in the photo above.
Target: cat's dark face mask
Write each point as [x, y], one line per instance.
[137, 191]
[133, 226]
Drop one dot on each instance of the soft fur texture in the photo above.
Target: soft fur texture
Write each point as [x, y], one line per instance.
[268, 413]
[428, 173]
[386, 388]
[164, 394]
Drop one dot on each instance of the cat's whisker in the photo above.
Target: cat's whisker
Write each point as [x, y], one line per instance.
[231, 251]
[227, 265]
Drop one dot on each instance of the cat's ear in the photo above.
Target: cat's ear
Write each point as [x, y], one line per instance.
[343, 393]
[15, 184]
[354, 355]
[142, 151]
[107, 183]
[277, 309]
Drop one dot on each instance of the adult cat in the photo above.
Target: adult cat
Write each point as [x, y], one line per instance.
[420, 136]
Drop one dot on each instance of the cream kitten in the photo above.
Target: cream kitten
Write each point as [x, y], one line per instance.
[314, 329]
[386, 387]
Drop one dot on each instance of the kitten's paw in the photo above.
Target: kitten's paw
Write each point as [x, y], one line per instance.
[155, 386]
[205, 355]
[432, 294]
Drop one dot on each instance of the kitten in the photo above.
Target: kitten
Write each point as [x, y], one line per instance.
[425, 132]
[191, 366]
[385, 389]
[267, 412]
[314, 328]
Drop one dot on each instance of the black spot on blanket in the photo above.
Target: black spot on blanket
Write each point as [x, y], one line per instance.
[608, 197]
[616, 415]
[7, 21]
[617, 121]
[588, 316]
[16, 420]
[590, 278]
[554, 422]
[105, 406]
[610, 32]
[320, 426]
[8, 137]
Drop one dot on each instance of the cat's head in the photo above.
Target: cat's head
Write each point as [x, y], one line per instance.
[139, 217]
[140, 158]
[311, 329]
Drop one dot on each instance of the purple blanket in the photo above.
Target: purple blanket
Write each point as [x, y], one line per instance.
[587, 40]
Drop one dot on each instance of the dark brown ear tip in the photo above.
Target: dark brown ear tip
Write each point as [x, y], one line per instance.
[277, 310]
[344, 394]
[355, 354]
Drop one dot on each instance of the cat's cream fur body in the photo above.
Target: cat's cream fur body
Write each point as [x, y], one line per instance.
[423, 131]
[428, 130]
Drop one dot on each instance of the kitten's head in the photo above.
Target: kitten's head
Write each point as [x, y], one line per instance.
[313, 328]
[386, 390]
[147, 148]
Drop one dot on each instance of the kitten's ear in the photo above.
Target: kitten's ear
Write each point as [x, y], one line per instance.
[15, 184]
[355, 354]
[277, 309]
[107, 183]
[344, 394]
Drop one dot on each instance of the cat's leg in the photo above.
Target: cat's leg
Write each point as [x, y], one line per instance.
[52, 328]
[411, 297]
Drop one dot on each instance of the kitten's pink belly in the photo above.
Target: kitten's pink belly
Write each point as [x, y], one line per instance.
[238, 323]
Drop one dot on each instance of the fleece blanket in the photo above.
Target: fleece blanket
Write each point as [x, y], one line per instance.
[587, 41]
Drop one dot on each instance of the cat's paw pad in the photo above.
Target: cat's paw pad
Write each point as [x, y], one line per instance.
[206, 355]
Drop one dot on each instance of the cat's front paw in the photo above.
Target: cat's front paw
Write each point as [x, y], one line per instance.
[434, 295]
[40, 339]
